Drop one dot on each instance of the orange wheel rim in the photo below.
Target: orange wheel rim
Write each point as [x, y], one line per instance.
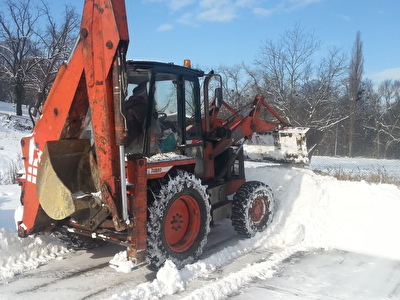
[182, 223]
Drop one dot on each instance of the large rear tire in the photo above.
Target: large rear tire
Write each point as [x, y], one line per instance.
[253, 208]
[179, 221]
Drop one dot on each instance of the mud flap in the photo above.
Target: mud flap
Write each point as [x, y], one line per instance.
[289, 145]
[67, 175]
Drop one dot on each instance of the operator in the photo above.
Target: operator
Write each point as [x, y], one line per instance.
[135, 109]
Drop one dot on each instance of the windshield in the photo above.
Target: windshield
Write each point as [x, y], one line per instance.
[162, 111]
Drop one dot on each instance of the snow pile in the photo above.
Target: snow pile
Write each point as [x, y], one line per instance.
[9, 201]
[168, 282]
[20, 255]
[170, 279]
[10, 146]
[166, 157]
[320, 211]
[10, 151]
[121, 264]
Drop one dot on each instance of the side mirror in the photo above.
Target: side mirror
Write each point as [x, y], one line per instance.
[218, 97]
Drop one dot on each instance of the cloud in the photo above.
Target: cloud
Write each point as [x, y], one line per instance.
[164, 27]
[174, 5]
[188, 19]
[218, 14]
[246, 3]
[217, 10]
[393, 73]
[345, 17]
[195, 12]
[304, 2]
[179, 4]
[259, 11]
[214, 3]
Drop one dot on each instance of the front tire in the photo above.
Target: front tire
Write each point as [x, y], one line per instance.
[253, 208]
[179, 221]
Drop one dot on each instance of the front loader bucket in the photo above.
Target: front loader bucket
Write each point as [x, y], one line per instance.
[67, 174]
[289, 145]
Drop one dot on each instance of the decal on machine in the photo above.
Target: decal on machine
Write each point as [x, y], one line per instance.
[158, 170]
[33, 162]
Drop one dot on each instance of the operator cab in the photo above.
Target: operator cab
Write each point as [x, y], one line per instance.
[162, 109]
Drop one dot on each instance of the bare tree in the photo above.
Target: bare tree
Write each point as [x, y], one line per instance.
[5, 90]
[286, 65]
[371, 117]
[29, 57]
[319, 95]
[303, 87]
[389, 120]
[18, 44]
[327, 93]
[356, 70]
[236, 85]
[54, 47]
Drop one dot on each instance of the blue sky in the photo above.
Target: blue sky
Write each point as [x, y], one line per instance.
[228, 32]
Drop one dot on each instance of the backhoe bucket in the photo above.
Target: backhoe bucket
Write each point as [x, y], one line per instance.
[67, 175]
[289, 145]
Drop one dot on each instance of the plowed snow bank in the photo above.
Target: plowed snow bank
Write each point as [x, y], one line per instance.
[320, 211]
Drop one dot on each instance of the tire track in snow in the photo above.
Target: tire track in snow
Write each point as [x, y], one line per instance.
[228, 257]
[62, 276]
[79, 275]
[229, 279]
[67, 276]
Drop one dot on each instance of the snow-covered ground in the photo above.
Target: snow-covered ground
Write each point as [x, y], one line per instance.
[330, 239]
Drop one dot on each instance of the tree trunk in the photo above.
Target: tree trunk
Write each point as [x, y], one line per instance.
[355, 79]
[352, 121]
[19, 97]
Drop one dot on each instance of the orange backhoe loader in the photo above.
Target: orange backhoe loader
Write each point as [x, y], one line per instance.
[143, 154]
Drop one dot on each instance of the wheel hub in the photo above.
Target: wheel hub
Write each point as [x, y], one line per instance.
[258, 210]
[177, 222]
[182, 223]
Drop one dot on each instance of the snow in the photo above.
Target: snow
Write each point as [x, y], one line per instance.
[120, 263]
[20, 255]
[10, 157]
[166, 157]
[329, 239]
[360, 165]
[320, 211]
